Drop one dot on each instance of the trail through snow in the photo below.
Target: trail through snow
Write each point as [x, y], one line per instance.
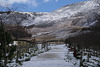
[53, 58]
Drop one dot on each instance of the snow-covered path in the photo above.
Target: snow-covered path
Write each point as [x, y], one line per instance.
[52, 58]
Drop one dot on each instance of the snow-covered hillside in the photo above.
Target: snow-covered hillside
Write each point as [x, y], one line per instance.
[62, 15]
[57, 23]
[67, 12]
[23, 18]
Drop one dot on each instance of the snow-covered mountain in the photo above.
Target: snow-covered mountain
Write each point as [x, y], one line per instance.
[59, 23]
[23, 18]
[69, 12]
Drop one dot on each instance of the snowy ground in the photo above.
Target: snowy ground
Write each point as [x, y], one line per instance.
[53, 58]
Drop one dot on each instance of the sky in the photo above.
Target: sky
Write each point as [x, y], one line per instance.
[36, 5]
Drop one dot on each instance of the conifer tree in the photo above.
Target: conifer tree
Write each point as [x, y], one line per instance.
[5, 40]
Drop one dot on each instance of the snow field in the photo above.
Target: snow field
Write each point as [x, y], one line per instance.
[53, 58]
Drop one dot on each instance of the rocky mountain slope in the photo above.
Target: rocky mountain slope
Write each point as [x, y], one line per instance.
[59, 24]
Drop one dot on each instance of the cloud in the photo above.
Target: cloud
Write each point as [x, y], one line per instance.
[34, 3]
[50, 0]
[11, 2]
[30, 3]
[46, 1]
[57, 0]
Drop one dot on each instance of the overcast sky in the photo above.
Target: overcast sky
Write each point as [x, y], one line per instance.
[37, 5]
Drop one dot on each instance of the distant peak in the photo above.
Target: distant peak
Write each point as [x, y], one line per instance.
[98, 1]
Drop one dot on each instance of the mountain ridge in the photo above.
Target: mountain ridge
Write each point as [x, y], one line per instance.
[59, 23]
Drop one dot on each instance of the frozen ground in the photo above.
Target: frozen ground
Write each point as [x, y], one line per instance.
[53, 58]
